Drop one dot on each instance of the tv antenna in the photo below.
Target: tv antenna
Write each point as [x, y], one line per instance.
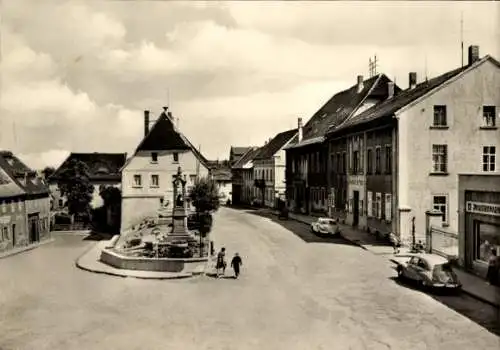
[372, 66]
[462, 37]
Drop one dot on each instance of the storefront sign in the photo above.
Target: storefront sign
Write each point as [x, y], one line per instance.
[4, 220]
[483, 208]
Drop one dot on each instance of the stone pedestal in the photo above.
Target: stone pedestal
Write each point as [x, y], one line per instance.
[180, 230]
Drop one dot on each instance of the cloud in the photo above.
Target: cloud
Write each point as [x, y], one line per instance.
[39, 161]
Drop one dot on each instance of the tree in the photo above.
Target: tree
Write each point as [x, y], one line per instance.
[205, 195]
[74, 183]
[48, 172]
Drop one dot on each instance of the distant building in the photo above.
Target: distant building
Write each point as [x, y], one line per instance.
[243, 186]
[104, 170]
[222, 178]
[236, 153]
[148, 175]
[269, 169]
[24, 204]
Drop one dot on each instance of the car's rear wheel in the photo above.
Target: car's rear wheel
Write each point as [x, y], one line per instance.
[400, 272]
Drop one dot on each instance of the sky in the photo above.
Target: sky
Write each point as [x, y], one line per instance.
[77, 76]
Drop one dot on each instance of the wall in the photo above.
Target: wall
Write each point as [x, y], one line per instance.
[12, 213]
[42, 207]
[464, 99]
[225, 190]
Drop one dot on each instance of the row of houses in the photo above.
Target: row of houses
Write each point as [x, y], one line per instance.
[379, 156]
[24, 204]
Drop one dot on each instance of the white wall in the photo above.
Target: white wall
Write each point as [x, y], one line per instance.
[464, 99]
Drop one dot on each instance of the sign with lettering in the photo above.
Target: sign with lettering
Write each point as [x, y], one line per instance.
[483, 208]
[356, 180]
[4, 220]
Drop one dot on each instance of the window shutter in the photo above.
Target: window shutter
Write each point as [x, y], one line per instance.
[370, 203]
[388, 206]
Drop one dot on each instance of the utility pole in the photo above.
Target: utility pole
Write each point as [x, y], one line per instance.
[413, 243]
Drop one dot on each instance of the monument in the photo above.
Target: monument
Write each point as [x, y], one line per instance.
[180, 230]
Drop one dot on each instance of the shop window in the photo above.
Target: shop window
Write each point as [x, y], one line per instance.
[369, 208]
[487, 238]
[440, 203]
[439, 158]
[388, 206]
[489, 158]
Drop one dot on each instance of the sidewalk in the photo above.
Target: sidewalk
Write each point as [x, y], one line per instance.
[18, 250]
[471, 284]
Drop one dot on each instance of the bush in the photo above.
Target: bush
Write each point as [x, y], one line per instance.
[62, 219]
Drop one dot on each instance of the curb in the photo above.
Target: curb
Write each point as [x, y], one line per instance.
[480, 298]
[124, 275]
[26, 248]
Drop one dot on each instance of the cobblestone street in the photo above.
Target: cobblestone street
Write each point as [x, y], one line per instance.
[296, 291]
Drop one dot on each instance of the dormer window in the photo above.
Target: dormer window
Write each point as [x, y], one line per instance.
[154, 157]
[176, 157]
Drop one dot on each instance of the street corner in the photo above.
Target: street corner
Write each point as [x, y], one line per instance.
[90, 261]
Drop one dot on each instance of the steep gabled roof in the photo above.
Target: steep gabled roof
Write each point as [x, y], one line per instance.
[102, 166]
[273, 146]
[8, 188]
[236, 153]
[247, 157]
[164, 136]
[221, 174]
[24, 177]
[402, 99]
[342, 105]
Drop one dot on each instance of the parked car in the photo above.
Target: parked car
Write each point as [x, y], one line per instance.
[428, 270]
[325, 226]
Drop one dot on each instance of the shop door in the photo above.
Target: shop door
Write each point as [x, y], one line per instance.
[355, 209]
[34, 234]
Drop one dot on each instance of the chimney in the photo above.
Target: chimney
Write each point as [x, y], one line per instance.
[390, 89]
[299, 122]
[360, 83]
[473, 54]
[412, 79]
[146, 122]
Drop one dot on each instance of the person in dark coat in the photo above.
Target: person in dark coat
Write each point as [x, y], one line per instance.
[221, 261]
[493, 268]
[236, 262]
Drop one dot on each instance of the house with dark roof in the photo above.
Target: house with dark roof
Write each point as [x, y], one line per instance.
[236, 153]
[104, 170]
[405, 153]
[24, 204]
[147, 176]
[269, 169]
[242, 172]
[307, 159]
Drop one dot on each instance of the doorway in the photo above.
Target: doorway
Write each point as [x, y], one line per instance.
[355, 209]
[14, 235]
[34, 232]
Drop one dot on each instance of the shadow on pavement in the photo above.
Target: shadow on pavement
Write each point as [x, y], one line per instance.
[485, 315]
[97, 236]
[214, 275]
[303, 231]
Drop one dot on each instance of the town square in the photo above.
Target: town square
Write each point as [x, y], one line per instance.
[249, 175]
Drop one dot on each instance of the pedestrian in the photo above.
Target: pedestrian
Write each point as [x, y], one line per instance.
[221, 261]
[236, 262]
[493, 268]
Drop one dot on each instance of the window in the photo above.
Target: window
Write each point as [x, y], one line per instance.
[176, 157]
[439, 202]
[487, 238]
[332, 163]
[356, 162]
[339, 164]
[489, 116]
[20, 205]
[377, 160]
[489, 158]
[378, 203]
[388, 206]
[388, 159]
[154, 157]
[155, 181]
[13, 230]
[439, 158]
[61, 203]
[137, 181]
[5, 233]
[369, 208]
[440, 116]
[369, 160]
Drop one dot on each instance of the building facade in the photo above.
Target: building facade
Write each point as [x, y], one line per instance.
[222, 178]
[147, 177]
[243, 184]
[308, 180]
[24, 204]
[417, 141]
[269, 169]
[479, 220]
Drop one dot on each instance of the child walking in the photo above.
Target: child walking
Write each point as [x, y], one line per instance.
[236, 262]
